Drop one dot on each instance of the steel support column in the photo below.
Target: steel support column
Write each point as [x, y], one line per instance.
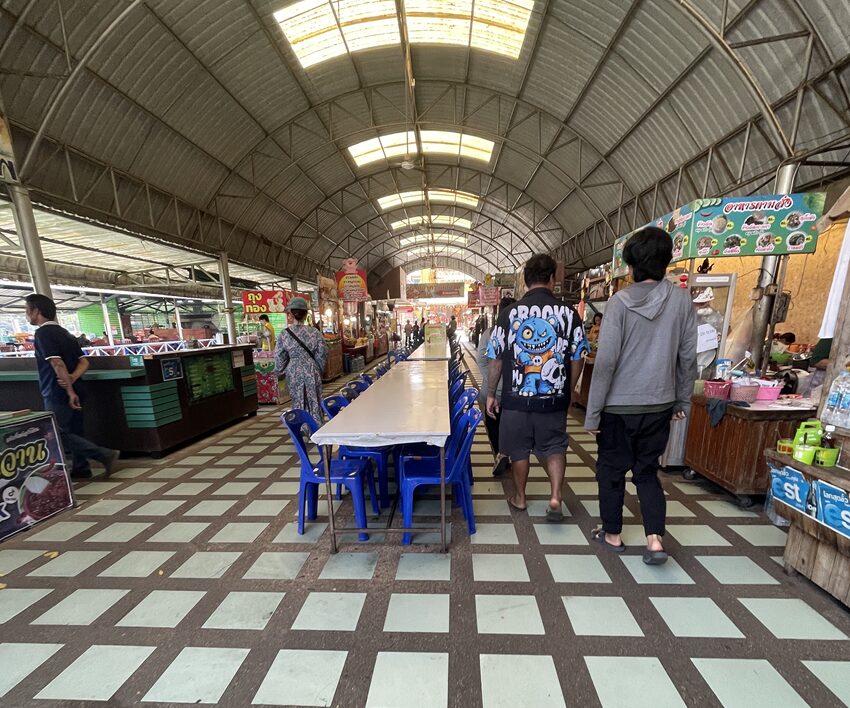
[178, 321]
[224, 275]
[107, 325]
[28, 235]
[763, 310]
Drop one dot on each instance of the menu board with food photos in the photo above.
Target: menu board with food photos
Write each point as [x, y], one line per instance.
[208, 375]
[34, 483]
[774, 225]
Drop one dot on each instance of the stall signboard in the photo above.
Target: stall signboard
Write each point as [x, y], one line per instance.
[351, 282]
[435, 334]
[505, 280]
[790, 487]
[268, 302]
[488, 296]
[472, 298]
[775, 225]
[833, 507]
[422, 291]
[772, 225]
[34, 482]
[679, 224]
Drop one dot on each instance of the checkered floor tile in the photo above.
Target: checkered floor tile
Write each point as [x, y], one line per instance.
[184, 581]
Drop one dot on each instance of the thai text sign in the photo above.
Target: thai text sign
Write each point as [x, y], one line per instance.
[33, 481]
[268, 302]
[421, 291]
[351, 283]
[488, 296]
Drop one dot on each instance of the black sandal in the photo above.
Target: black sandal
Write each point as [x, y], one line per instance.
[598, 535]
[655, 557]
[515, 507]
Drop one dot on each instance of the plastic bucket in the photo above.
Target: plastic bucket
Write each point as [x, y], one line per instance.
[809, 433]
[768, 393]
[805, 453]
[785, 446]
[826, 457]
[744, 392]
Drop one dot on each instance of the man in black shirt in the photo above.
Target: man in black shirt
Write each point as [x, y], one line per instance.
[61, 363]
[536, 346]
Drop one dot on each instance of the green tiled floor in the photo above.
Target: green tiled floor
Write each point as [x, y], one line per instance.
[184, 581]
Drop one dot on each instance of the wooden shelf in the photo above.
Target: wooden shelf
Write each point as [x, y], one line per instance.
[836, 476]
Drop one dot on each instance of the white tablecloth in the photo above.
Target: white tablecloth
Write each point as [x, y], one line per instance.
[432, 352]
[409, 404]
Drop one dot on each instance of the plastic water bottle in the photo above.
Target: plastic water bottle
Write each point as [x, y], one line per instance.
[833, 401]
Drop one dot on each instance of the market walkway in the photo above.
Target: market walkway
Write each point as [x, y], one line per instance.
[182, 581]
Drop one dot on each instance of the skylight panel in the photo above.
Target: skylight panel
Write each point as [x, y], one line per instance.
[437, 220]
[397, 145]
[439, 238]
[391, 201]
[383, 148]
[319, 30]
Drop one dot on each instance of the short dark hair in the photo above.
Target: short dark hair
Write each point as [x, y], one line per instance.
[599, 315]
[649, 252]
[264, 318]
[299, 314]
[788, 337]
[506, 302]
[43, 304]
[539, 269]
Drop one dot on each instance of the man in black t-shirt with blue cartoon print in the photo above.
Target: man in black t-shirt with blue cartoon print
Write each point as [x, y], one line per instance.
[537, 346]
[61, 363]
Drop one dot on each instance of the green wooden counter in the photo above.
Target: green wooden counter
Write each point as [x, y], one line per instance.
[173, 398]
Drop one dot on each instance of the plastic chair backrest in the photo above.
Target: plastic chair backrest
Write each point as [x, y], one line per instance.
[462, 447]
[332, 405]
[295, 419]
[349, 392]
[367, 379]
[358, 385]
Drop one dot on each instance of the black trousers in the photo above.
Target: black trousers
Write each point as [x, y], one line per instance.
[632, 442]
[79, 448]
[492, 426]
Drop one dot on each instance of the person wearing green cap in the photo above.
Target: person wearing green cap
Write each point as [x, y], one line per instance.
[301, 354]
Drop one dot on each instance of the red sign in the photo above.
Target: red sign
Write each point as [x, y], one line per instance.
[268, 302]
[472, 299]
[351, 282]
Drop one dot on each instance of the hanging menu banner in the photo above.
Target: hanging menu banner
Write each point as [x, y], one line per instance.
[773, 225]
[351, 282]
[34, 483]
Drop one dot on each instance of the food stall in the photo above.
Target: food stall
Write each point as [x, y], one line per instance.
[597, 287]
[153, 402]
[814, 499]
[328, 318]
[34, 481]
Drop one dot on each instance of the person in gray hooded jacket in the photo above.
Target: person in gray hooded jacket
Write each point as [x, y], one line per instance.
[643, 378]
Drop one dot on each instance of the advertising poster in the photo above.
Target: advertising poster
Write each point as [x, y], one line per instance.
[34, 483]
[351, 282]
[472, 298]
[678, 224]
[268, 302]
[790, 487]
[488, 296]
[833, 508]
[172, 369]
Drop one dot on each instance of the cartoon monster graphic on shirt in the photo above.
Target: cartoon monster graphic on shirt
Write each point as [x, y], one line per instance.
[538, 356]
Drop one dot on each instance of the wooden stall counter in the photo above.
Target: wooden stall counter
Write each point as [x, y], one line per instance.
[333, 366]
[814, 549]
[150, 403]
[730, 454]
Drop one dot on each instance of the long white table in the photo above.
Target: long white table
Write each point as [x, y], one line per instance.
[432, 352]
[410, 404]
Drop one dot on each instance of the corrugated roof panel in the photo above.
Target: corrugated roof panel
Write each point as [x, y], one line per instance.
[831, 20]
[596, 19]
[575, 214]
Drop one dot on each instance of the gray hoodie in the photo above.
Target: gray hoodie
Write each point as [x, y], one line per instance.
[647, 350]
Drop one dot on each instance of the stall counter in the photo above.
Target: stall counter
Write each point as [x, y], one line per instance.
[333, 365]
[153, 403]
[730, 454]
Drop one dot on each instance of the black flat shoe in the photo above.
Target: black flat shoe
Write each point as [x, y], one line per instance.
[655, 557]
[501, 467]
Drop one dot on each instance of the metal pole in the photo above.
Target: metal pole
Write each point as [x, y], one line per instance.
[178, 321]
[224, 274]
[293, 284]
[766, 287]
[28, 234]
[107, 326]
[121, 334]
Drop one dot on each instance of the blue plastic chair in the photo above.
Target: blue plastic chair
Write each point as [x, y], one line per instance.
[368, 379]
[379, 456]
[350, 473]
[349, 392]
[358, 385]
[418, 472]
[396, 357]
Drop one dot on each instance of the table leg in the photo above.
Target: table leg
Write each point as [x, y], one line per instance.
[443, 498]
[326, 455]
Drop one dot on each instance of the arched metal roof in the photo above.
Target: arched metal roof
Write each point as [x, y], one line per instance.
[196, 123]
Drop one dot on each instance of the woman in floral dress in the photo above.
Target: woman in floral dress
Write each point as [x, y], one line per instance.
[301, 354]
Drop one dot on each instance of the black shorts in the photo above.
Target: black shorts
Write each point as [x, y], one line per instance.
[524, 432]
